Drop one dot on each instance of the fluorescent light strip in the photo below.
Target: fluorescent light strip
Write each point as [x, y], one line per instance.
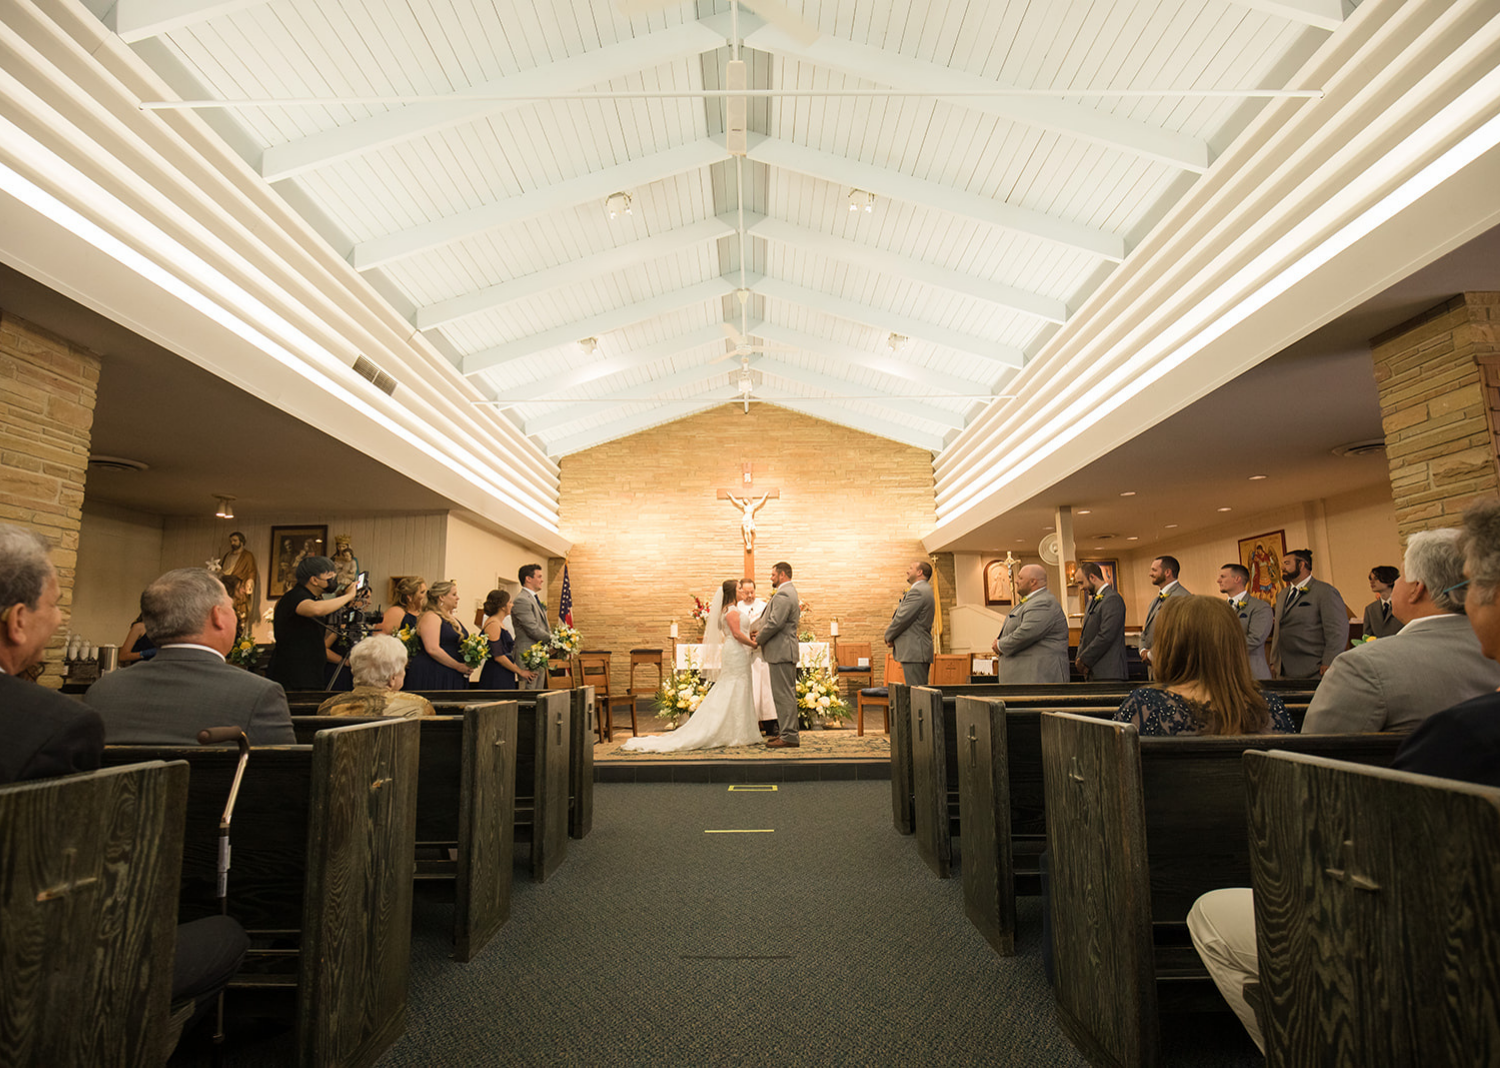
[24, 190]
[1151, 363]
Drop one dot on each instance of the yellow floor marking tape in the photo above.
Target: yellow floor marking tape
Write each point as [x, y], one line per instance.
[768, 788]
[764, 830]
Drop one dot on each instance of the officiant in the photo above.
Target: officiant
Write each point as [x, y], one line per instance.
[751, 608]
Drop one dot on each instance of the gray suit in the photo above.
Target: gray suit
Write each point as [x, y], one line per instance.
[529, 616]
[779, 648]
[1034, 641]
[1376, 623]
[910, 633]
[1395, 683]
[1178, 590]
[1101, 646]
[168, 699]
[1309, 633]
[1256, 619]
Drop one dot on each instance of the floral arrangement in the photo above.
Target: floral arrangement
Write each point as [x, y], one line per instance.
[408, 637]
[243, 653]
[700, 609]
[566, 641]
[818, 695]
[476, 649]
[536, 657]
[680, 695]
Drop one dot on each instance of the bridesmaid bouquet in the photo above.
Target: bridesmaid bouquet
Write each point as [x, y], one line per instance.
[408, 637]
[243, 654]
[535, 658]
[476, 649]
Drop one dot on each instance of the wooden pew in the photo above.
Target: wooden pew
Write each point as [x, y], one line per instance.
[466, 799]
[1137, 829]
[322, 841]
[1377, 913]
[89, 868]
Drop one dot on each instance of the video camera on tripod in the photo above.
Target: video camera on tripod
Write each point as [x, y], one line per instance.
[353, 623]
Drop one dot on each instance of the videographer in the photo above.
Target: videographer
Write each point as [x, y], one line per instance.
[301, 633]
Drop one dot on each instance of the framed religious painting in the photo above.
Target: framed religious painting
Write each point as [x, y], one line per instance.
[1261, 556]
[1111, 569]
[289, 547]
[997, 588]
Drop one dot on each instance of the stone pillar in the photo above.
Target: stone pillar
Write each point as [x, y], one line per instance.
[47, 393]
[1439, 380]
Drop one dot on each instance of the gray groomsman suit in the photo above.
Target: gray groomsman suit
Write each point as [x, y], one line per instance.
[1034, 641]
[777, 639]
[530, 619]
[168, 699]
[1310, 630]
[1256, 619]
[1177, 590]
[1395, 683]
[1380, 621]
[910, 633]
[1101, 645]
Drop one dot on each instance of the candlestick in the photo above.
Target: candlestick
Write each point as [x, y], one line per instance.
[833, 628]
[672, 633]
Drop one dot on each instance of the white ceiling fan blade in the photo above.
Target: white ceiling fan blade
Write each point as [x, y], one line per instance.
[785, 19]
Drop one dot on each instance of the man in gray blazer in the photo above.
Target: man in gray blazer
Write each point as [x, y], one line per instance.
[529, 615]
[1101, 646]
[188, 687]
[1394, 683]
[1033, 643]
[1255, 615]
[775, 634]
[1380, 614]
[1164, 571]
[909, 634]
[1312, 624]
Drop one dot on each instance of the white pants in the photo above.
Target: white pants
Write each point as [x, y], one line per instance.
[1222, 924]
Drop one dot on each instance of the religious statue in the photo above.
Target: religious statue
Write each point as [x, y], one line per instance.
[239, 562]
[1010, 571]
[345, 563]
[747, 520]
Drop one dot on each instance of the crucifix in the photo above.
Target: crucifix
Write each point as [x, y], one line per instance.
[748, 504]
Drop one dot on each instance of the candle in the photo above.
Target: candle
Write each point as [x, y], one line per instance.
[833, 628]
[673, 632]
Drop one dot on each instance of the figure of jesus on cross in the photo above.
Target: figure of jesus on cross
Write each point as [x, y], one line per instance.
[748, 506]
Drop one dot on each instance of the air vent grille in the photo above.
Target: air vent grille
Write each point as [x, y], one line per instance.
[116, 463]
[1361, 448]
[379, 379]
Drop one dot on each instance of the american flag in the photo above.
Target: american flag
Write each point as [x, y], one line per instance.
[565, 599]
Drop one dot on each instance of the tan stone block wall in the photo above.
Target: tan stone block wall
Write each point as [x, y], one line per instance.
[47, 392]
[1439, 380]
[649, 531]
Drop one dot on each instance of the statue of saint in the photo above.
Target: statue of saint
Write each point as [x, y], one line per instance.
[345, 563]
[747, 520]
[240, 563]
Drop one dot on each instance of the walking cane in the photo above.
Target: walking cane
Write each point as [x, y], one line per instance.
[214, 736]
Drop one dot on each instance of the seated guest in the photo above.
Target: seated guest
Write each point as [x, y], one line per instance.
[502, 671]
[411, 596]
[439, 664]
[42, 733]
[379, 667]
[1033, 641]
[1203, 681]
[1380, 615]
[136, 645]
[188, 687]
[1435, 661]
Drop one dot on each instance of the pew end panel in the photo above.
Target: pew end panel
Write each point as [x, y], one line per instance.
[486, 826]
[988, 869]
[929, 780]
[1377, 913]
[901, 770]
[542, 779]
[88, 907]
[582, 729]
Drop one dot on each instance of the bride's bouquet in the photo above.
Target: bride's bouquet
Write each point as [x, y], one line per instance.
[476, 649]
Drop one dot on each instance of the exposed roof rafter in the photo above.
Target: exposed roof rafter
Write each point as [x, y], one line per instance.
[886, 365]
[633, 424]
[645, 391]
[552, 385]
[137, 20]
[929, 413]
[1321, 14]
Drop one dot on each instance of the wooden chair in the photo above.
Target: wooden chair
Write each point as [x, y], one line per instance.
[560, 674]
[1374, 887]
[645, 658]
[847, 657]
[595, 672]
[877, 697]
[89, 912]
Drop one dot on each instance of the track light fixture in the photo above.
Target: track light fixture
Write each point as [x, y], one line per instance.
[225, 509]
[618, 204]
[859, 199]
[588, 345]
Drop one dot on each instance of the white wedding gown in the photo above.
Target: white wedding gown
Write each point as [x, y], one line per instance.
[725, 716]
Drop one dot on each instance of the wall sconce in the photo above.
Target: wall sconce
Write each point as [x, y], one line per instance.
[617, 203]
[225, 509]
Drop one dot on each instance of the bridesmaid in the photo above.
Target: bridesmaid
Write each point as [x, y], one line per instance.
[411, 595]
[439, 664]
[501, 670]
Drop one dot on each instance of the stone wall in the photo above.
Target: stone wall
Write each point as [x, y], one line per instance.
[1439, 379]
[47, 392]
[649, 531]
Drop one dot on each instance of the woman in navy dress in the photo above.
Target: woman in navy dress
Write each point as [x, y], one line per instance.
[500, 671]
[439, 664]
[411, 597]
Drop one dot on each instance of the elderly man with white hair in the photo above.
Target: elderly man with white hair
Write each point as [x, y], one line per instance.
[1434, 661]
[379, 667]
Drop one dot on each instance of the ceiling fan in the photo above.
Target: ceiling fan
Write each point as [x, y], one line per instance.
[774, 12]
[745, 381]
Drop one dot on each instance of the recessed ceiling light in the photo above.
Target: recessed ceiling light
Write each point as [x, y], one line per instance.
[1132, 538]
[1171, 526]
[1128, 493]
[1224, 509]
[1084, 511]
[1256, 478]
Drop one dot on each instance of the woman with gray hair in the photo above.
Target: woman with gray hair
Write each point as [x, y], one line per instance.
[302, 638]
[379, 667]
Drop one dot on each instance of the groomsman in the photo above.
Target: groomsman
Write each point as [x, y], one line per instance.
[909, 634]
[530, 616]
[1033, 643]
[1380, 617]
[1101, 646]
[1164, 577]
[1256, 617]
[1312, 624]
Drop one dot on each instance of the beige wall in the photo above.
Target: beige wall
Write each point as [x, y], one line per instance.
[649, 532]
[480, 561]
[119, 554]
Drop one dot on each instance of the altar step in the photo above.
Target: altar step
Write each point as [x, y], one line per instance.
[770, 770]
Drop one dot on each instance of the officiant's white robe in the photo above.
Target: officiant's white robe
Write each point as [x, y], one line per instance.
[760, 671]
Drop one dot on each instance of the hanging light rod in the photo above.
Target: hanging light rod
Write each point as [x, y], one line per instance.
[716, 94]
[736, 398]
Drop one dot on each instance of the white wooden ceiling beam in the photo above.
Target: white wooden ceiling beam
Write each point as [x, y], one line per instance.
[1320, 14]
[580, 190]
[835, 412]
[411, 121]
[897, 186]
[583, 269]
[897, 71]
[781, 232]
[136, 20]
[665, 349]
[603, 323]
[717, 375]
[801, 376]
[632, 424]
[882, 364]
[775, 289]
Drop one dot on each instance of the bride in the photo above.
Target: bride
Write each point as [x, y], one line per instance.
[726, 715]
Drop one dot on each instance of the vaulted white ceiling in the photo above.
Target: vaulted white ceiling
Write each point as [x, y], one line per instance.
[418, 148]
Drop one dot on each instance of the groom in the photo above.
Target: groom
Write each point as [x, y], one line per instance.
[776, 637]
